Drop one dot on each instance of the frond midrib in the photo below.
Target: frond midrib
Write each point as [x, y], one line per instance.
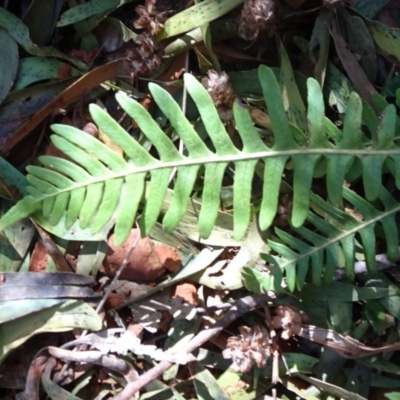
[219, 159]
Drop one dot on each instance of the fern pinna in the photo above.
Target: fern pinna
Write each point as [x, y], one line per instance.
[99, 187]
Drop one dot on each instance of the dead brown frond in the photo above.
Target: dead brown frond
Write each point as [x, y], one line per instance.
[257, 16]
[288, 318]
[221, 92]
[251, 347]
[141, 57]
[149, 20]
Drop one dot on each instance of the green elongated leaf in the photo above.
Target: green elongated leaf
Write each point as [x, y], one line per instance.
[209, 115]
[158, 187]
[10, 311]
[337, 88]
[8, 62]
[206, 34]
[11, 176]
[389, 224]
[370, 119]
[341, 220]
[57, 318]
[130, 199]
[372, 166]
[196, 16]
[276, 110]
[19, 31]
[256, 281]
[302, 181]
[35, 69]
[292, 100]
[109, 202]
[303, 248]
[304, 168]
[296, 111]
[15, 241]
[347, 292]
[360, 41]
[56, 392]
[245, 170]
[386, 38]
[279, 123]
[332, 252]
[88, 9]
[369, 8]
[205, 384]
[211, 198]
[337, 166]
[319, 45]
[392, 395]
[272, 180]
[182, 190]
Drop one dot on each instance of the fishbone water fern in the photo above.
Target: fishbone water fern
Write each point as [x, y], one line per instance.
[99, 186]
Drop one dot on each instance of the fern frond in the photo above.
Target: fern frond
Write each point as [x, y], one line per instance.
[99, 186]
[318, 251]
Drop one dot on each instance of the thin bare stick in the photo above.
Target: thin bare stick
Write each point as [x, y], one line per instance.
[241, 307]
[119, 272]
[107, 293]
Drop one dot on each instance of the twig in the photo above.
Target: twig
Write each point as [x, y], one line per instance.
[107, 292]
[242, 307]
[275, 346]
[119, 272]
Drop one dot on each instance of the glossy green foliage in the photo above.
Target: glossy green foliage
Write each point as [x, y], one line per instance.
[99, 186]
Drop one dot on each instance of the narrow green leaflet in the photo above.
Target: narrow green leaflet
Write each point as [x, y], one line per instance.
[369, 8]
[196, 16]
[19, 31]
[279, 122]
[319, 45]
[337, 166]
[58, 318]
[8, 62]
[304, 168]
[88, 9]
[35, 69]
[388, 39]
[205, 384]
[56, 392]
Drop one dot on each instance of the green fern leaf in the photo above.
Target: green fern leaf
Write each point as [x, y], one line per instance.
[273, 170]
[99, 187]
[318, 251]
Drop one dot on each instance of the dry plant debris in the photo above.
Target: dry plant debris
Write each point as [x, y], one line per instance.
[147, 263]
[252, 347]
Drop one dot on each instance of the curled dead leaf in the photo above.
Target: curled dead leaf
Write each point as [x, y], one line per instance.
[290, 319]
[188, 292]
[147, 262]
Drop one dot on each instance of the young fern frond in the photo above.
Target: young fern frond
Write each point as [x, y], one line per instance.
[321, 250]
[99, 186]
